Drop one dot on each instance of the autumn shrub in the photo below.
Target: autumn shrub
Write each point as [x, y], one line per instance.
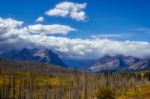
[106, 93]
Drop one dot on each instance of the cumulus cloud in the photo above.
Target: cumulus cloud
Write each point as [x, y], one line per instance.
[40, 19]
[9, 23]
[69, 9]
[15, 36]
[50, 29]
[10, 28]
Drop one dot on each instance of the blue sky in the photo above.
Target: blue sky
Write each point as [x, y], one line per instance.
[101, 26]
[104, 16]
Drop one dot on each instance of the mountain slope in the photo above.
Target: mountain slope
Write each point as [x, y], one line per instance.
[34, 55]
[9, 65]
[120, 63]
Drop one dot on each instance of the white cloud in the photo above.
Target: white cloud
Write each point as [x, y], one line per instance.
[40, 19]
[78, 15]
[111, 35]
[14, 36]
[91, 48]
[69, 9]
[57, 12]
[11, 28]
[50, 29]
[9, 22]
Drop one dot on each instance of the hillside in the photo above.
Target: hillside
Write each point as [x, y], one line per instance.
[35, 67]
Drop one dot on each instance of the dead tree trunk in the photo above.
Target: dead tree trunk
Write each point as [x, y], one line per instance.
[85, 83]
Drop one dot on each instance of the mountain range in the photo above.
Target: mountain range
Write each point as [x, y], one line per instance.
[112, 63]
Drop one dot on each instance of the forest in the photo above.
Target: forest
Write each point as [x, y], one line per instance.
[24, 80]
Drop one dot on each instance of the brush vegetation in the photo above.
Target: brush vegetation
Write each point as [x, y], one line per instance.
[24, 80]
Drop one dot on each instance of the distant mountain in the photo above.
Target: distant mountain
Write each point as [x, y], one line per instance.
[111, 63]
[34, 55]
[121, 63]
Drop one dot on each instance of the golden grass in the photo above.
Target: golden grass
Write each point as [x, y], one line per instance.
[142, 92]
